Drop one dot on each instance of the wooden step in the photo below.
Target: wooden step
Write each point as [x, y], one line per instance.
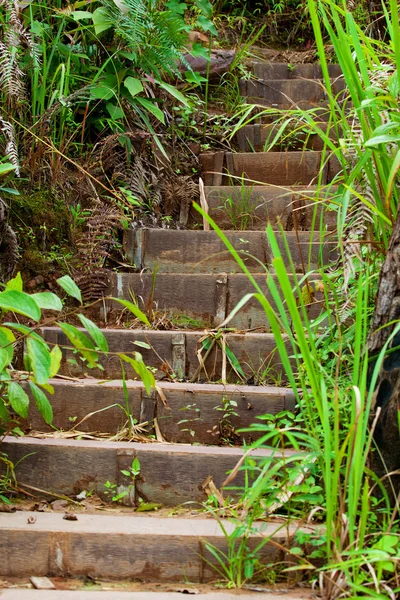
[274, 168]
[176, 353]
[186, 412]
[251, 208]
[217, 594]
[170, 474]
[123, 546]
[274, 70]
[287, 93]
[256, 137]
[209, 298]
[174, 251]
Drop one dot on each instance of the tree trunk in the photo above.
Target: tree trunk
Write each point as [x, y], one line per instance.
[387, 392]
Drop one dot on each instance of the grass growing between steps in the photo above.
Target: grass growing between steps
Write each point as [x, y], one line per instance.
[357, 555]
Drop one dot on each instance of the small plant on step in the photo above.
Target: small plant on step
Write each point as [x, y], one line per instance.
[118, 493]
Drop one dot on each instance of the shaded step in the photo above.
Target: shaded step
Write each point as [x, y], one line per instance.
[186, 413]
[117, 547]
[287, 93]
[250, 208]
[170, 474]
[274, 168]
[174, 251]
[210, 298]
[275, 70]
[24, 594]
[176, 353]
[255, 138]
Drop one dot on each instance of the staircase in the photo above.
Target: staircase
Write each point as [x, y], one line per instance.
[189, 431]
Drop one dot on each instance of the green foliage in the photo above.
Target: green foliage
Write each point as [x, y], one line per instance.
[41, 362]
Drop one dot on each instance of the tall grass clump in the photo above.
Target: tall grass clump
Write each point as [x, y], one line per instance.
[326, 359]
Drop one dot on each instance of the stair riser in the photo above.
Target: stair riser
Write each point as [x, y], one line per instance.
[273, 168]
[176, 352]
[274, 71]
[287, 93]
[169, 251]
[210, 298]
[255, 138]
[133, 548]
[194, 413]
[169, 475]
[292, 208]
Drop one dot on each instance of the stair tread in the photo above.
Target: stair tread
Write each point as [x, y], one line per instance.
[24, 594]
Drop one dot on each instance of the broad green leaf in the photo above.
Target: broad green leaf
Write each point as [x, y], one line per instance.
[382, 139]
[194, 77]
[69, 286]
[6, 168]
[4, 359]
[40, 359]
[102, 92]
[95, 333]
[18, 399]
[7, 339]
[114, 111]
[48, 301]
[152, 108]
[101, 20]
[133, 85]
[134, 310]
[42, 402]
[55, 360]
[23, 329]
[78, 15]
[81, 342]
[20, 303]
[4, 416]
[138, 365]
[174, 92]
[15, 284]
[143, 345]
[206, 25]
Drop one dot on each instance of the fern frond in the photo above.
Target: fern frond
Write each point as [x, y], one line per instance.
[11, 149]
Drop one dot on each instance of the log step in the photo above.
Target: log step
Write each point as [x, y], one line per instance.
[186, 413]
[122, 547]
[208, 298]
[24, 594]
[256, 137]
[175, 352]
[170, 474]
[274, 70]
[184, 251]
[251, 208]
[288, 93]
[274, 168]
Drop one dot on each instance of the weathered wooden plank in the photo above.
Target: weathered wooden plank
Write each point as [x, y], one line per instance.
[274, 70]
[256, 353]
[121, 546]
[170, 474]
[256, 137]
[289, 92]
[194, 412]
[293, 207]
[278, 168]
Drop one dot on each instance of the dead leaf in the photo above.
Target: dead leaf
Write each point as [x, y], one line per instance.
[70, 517]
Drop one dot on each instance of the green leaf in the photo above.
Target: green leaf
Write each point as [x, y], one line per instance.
[40, 359]
[20, 303]
[174, 92]
[133, 85]
[206, 25]
[138, 365]
[48, 301]
[194, 77]
[6, 168]
[55, 360]
[152, 108]
[15, 284]
[7, 339]
[101, 20]
[4, 416]
[4, 359]
[115, 112]
[382, 139]
[42, 403]
[18, 399]
[69, 286]
[81, 342]
[134, 310]
[78, 15]
[143, 345]
[96, 333]
[102, 92]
